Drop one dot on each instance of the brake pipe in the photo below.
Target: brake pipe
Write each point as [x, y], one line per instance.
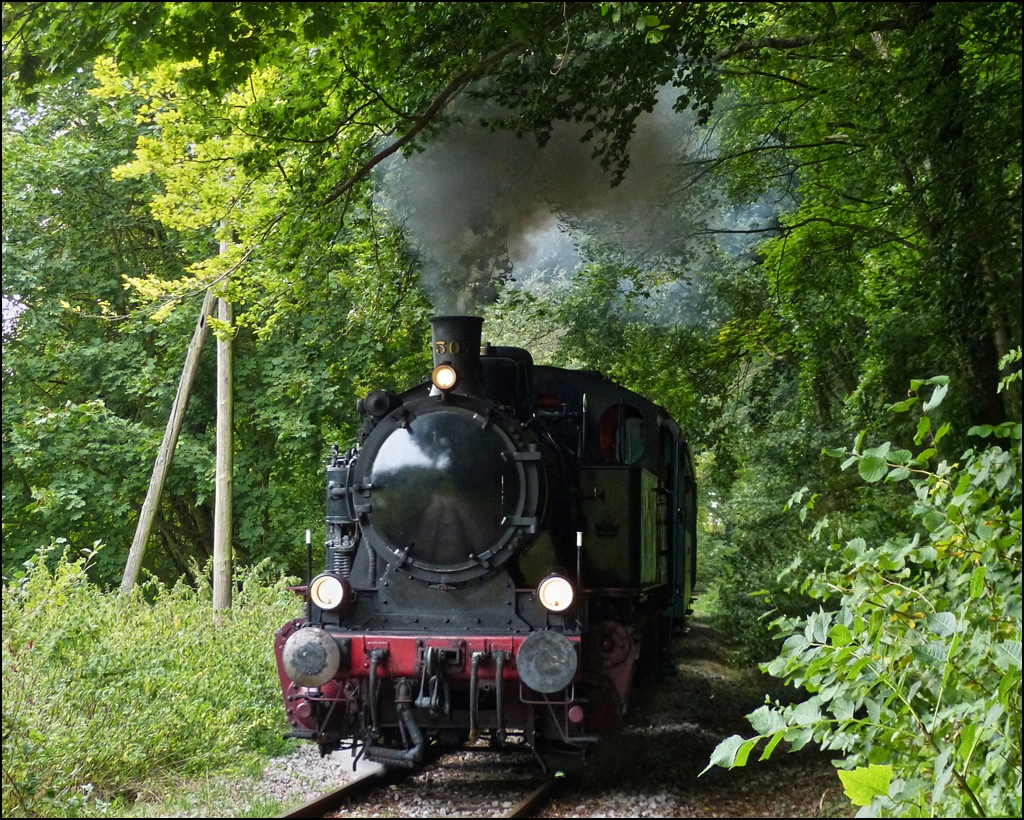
[474, 674]
[376, 656]
[499, 682]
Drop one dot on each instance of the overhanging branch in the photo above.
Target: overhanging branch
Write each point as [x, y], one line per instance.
[447, 93]
[781, 230]
[786, 43]
[422, 121]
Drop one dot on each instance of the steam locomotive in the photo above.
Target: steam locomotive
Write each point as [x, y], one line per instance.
[507, 547]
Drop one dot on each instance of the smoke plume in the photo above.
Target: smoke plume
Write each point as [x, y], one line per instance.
[486, 206]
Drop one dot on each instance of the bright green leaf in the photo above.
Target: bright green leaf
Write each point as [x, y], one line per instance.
[724, 754]
[1007, 654]
[863, 785]
[806, 713]
[872, 468]
[798, 738]
[843, 708]
[767, 753]
[900, 457]
[743, 752]
[931, 654]
[881, 451]
[978, 582]
[857, 441]
[902, 406]
[766, 720]
[840, 636]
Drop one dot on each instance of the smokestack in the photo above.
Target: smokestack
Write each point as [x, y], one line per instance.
[456, 341]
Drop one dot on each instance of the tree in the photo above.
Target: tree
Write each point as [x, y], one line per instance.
[89, 372]
[78, 390]
[894, 132]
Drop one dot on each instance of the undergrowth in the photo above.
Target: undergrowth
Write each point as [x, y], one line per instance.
[105, 697]
[913, 660]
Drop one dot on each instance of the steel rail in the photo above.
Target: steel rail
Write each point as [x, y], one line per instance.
[320, 806]
[526, 806]
[323, 805]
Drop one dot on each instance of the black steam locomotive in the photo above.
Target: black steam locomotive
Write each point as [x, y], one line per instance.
[506, 547]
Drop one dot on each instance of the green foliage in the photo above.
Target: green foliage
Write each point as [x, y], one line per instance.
[91, 362]
[874, 269]
[917, 663]
[611, 330]
[865, 784]
[891, 134]
[81, 385]
[103, 696]
[313, 79]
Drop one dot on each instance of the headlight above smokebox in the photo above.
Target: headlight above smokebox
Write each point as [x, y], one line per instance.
[444, 377]
[456, 350]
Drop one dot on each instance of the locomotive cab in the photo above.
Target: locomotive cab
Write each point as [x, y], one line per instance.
[496, 562]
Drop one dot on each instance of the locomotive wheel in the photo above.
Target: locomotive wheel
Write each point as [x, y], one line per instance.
[608, 645]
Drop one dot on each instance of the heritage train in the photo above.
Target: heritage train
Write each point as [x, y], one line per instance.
[506, 548]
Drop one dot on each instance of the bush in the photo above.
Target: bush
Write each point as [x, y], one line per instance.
[916, 676]
[741, 567]
[103, 696]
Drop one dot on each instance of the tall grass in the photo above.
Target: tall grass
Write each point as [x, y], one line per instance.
[103, 697]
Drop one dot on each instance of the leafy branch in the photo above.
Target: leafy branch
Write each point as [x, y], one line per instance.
[801, 41]
[912, 694]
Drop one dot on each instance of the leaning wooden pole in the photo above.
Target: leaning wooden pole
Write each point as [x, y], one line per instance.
[163, 459]
[222, 510]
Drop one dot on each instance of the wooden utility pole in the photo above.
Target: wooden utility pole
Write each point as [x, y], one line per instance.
[222, 512]
[163, 459]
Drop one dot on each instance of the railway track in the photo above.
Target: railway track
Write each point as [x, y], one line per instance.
[457, 785]
[537, 798]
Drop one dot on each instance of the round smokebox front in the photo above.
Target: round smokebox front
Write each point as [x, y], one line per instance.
[442, 492]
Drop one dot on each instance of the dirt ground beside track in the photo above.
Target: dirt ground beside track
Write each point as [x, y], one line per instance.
[650, 767]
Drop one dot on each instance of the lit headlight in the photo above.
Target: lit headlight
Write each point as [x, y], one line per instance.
[555, 593]
[444, 377]
[329, 591]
